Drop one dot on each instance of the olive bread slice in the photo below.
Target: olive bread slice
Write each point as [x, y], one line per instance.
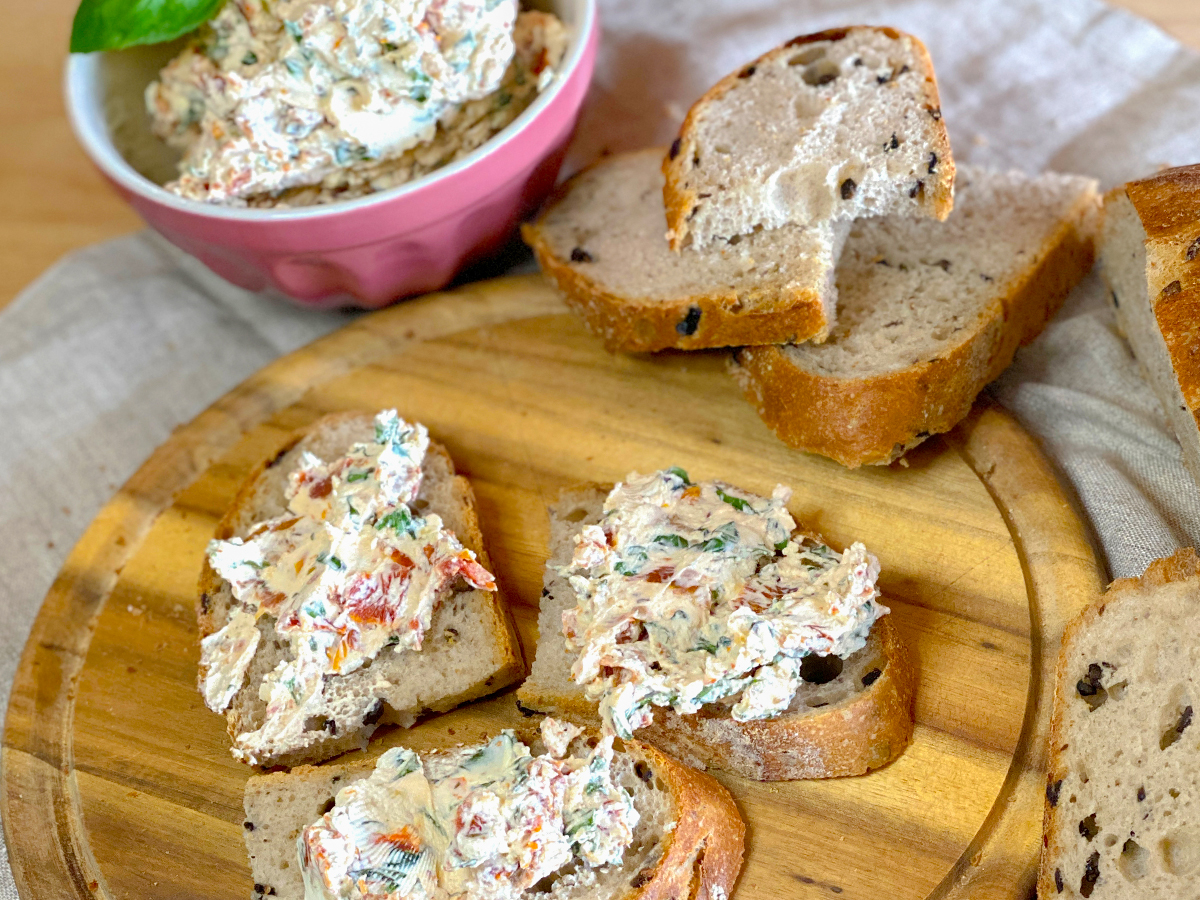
[688, 842]
[1150, 257]
[846, 719]
[835, 125]
[929, 313]
[1123, 793]
[602, 242]
[470, 649]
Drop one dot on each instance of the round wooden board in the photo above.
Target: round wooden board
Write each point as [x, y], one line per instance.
[118, 782]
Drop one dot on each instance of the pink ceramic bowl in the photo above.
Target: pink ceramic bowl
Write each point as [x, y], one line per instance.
[366, 252]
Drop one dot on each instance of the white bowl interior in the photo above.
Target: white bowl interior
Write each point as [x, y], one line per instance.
[105, 102]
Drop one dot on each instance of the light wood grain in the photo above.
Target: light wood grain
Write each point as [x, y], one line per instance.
[118, 782]
[53, 199]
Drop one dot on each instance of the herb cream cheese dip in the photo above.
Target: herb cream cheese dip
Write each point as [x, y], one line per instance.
[347, 572]
[488, 821]
[694, 593]
[279, 96]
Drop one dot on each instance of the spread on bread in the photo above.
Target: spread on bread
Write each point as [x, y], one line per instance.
[274, 95]
[486, 821]
[347, 571]
[693, 593]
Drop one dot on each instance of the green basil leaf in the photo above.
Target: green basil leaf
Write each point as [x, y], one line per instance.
[116, 24]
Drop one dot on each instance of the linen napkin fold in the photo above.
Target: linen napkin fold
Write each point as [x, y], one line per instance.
[119, 343]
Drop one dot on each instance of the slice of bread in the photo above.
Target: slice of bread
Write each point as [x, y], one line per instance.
[836, 125]
[688, 842]
[470, 650]
[1150, 257]
[841, 723]
[1123, 794]
[929, 313]
[601, 241]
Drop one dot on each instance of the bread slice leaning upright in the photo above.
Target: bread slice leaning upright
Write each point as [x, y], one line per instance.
[831, 126]
[1150, 257]
[847, 718]
[929, 313]
[1123, 792]
[688, 841]
[602, 242]
[470, 649]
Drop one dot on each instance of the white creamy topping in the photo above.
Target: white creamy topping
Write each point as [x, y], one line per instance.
[692, 593]
[484, 822]
[348, 571]
[280, 93]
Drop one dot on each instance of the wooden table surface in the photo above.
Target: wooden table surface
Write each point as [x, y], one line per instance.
[54, 201]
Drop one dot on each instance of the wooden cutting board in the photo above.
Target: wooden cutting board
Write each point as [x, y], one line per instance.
[118, 782]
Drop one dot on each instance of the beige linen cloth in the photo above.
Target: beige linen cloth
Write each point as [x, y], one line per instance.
[119, 343]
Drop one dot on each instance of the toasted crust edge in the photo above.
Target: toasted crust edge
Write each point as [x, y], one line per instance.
[701, 856]
[853, 739]
[678, 201]
[1182, 565]
[876, 419]
[1167, 205]
[512, 670]
[643, 325]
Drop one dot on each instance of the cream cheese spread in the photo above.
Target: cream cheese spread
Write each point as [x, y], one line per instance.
[486, 822]
[276, 94]
[694, 593]
[348, 571]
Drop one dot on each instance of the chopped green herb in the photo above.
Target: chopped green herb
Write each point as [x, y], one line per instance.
[780, 545]
[294, 66]
[674, 540]
[736, 502]
[293, 29]
[680, 474]
[250, 58]
[399, 519]
[357, 476]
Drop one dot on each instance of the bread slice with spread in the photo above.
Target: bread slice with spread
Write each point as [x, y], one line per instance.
[1123, 790]
[601, 240]
[347, 586]
[761, 652]
[831, 126]
[1150, 257]
[929, 313]
[562, 817]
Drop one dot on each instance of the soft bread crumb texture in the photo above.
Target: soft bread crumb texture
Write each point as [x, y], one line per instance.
[858, 720]
[470, 649]
[602, 240]
[838, 125]
[929, 313]
[1153, 279]
[1123, 793]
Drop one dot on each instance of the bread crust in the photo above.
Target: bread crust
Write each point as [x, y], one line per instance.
[511, 669]
[678, 200]
[853, 739]
[644, 325]
[1180, 566]
[1168, 206]
[700, 858]
[874, 420]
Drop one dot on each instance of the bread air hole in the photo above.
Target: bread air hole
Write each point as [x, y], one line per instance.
[807, 55]
[821, 73]
[1178, 717]
[1134, 861]
[1181, 851]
